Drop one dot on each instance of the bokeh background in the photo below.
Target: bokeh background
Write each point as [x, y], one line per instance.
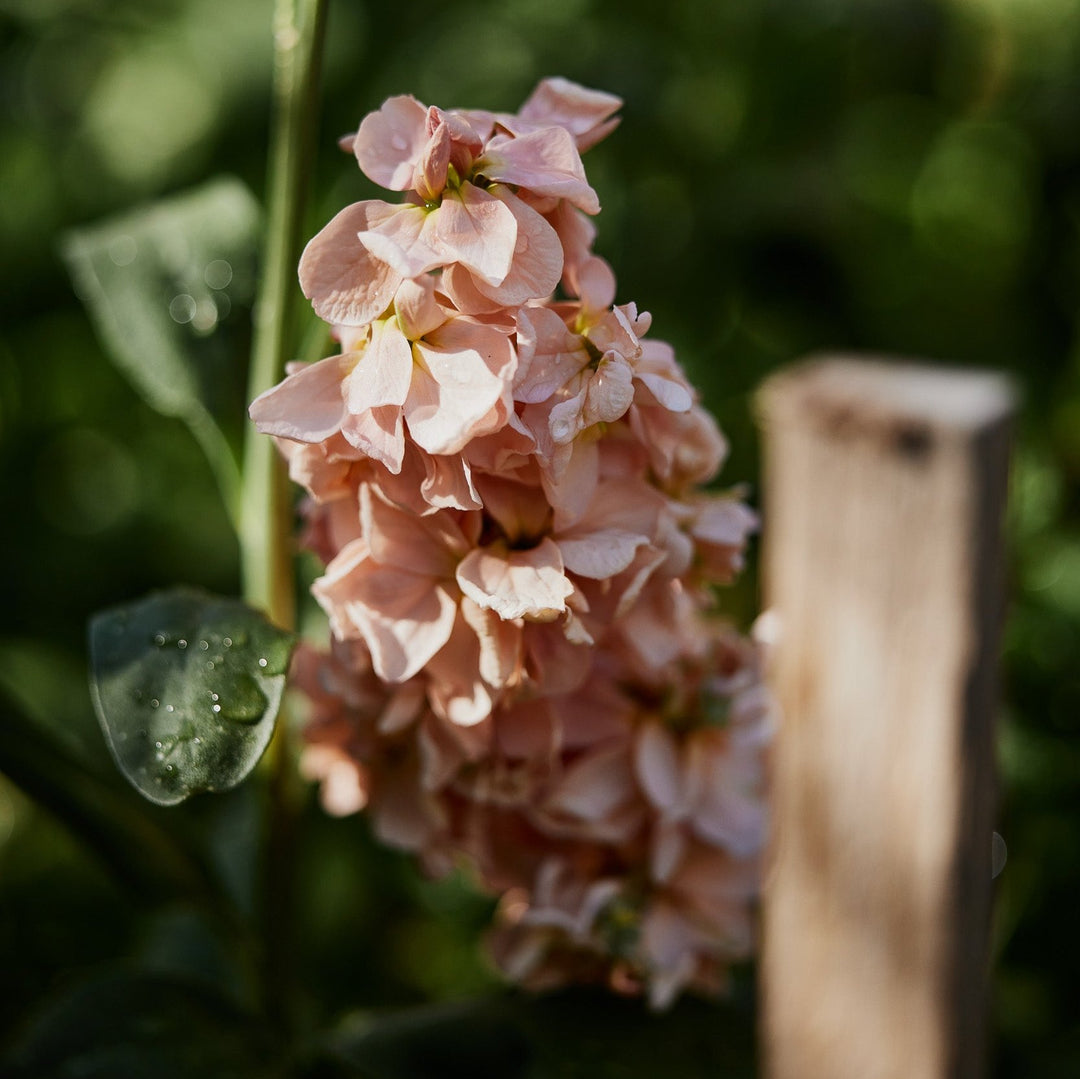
[894, 176]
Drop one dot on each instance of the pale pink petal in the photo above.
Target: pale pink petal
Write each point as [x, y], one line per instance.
[668, 392]
[403, 237]
[403, 619]
[593, 281]
[429, 176]
[383, 375]
[600, 554]
[417, 311]
[595, 785]
[549, 354]
[398, 538]
[463, 372]
[656, 759]
[667, 849]
[391, 141]
[477, 230]
[538, 260]
[723, 521]
[585, 113]
[346, 285]
[604, 398]
[379, 434]
[309, 405]
[555, 664]
[448, 483]
[544, 162]
[455, 687]
[500, 643]
[516, 584]
[572, 488]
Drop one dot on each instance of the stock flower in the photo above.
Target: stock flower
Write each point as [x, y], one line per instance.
[505, 486]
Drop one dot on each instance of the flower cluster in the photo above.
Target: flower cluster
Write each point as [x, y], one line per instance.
[505, 483]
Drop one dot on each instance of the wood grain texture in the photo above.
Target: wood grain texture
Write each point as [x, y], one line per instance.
[884, 491]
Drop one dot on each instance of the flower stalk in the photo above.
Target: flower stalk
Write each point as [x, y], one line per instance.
[266, 520]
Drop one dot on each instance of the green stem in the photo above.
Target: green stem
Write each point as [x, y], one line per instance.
[266, 518]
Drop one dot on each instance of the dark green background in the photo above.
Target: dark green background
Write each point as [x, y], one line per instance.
[898, 177]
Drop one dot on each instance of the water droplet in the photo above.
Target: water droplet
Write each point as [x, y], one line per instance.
[214, 697]
[262, 661]
[245, 701]
[154, 703]
[204, 645]
[216, 708]
[227, 642]
[198, 741]
[182, 308]
[209, 664]
[168, 767]
[157, 745]
[159, 640]
[169, 708]
[181, 644]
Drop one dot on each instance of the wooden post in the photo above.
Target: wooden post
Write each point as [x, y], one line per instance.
[884, 490]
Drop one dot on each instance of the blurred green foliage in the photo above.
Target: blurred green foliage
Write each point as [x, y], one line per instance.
[896, 176]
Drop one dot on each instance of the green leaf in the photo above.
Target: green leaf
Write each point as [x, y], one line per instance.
[167, 287]
[129, 1025]
[187, 687]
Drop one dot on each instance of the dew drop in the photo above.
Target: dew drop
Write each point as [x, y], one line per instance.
[181, 644]
[227, 642]
[159, 640]
[209, 664]
[154, 703]
[198, 741]
[214, 697]
[262, 661]
[216, 708]
[204, 645]
[169, 708]
[168, 767]
[157, 745]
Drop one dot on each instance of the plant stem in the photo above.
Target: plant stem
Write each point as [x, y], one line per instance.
[266, 522]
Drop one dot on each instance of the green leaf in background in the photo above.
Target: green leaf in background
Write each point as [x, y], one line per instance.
[131, 1025]
[187, 687]
[161, 283]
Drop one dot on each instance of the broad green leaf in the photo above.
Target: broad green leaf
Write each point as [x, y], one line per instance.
[187, 687]
[124, 1024]
[167, 287]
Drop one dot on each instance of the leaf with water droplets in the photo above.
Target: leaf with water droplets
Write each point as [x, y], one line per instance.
[187, 687]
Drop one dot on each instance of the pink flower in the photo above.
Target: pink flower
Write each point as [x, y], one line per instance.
[445, 375]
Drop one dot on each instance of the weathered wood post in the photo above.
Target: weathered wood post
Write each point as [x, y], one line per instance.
[884, 490]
